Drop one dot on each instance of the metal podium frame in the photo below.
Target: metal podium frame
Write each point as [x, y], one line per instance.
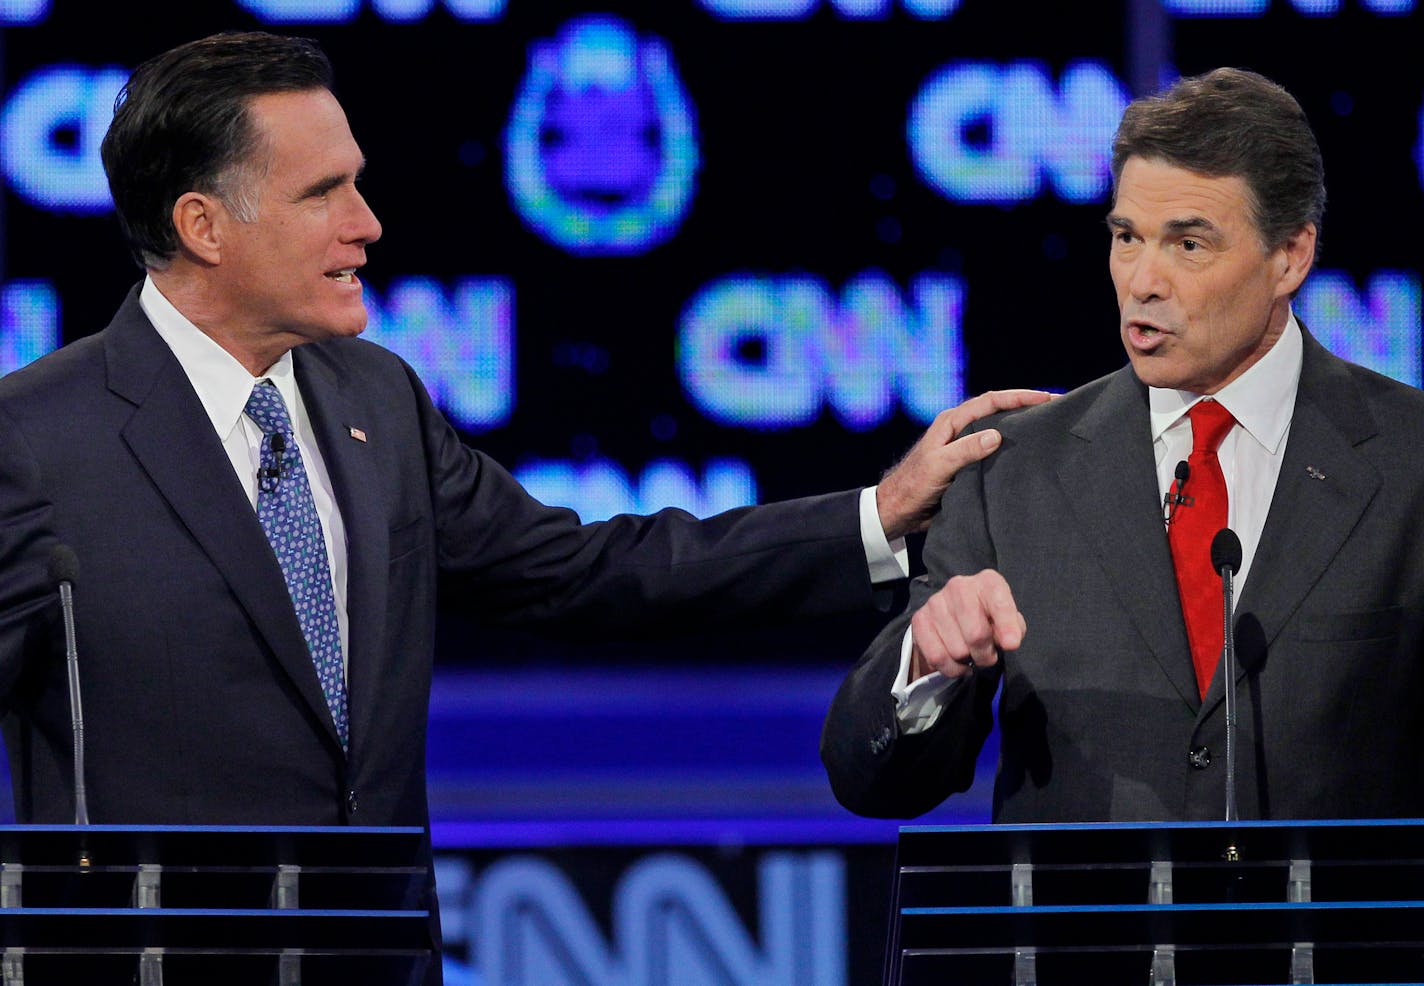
[251, 904]
[1177, 904]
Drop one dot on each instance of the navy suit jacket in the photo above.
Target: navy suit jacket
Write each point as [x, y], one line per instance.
[201, 701]
[1099, 709]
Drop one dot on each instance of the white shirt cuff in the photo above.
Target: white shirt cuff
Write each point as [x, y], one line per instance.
[918, 703]
[888, 562]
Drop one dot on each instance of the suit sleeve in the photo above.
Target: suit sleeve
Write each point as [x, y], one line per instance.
[28, 602]
[874, 769]
[516, 560]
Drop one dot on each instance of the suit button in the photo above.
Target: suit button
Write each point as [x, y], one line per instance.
[1199, 757]
[351, 802]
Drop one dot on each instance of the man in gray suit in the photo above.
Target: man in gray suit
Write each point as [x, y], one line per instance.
[1112, 706]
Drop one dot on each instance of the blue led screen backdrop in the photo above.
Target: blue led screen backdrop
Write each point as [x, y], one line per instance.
[713, 252]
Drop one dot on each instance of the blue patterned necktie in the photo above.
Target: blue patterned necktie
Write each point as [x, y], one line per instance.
[288, 515]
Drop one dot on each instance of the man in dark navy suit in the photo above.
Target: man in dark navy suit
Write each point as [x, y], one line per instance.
[262, 503]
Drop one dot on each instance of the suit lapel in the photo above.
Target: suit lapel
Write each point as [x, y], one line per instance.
[352, 467]
[173, 441]
[1310, 517]
[1109, 479]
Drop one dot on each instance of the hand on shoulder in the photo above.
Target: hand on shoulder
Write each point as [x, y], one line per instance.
[908, 496]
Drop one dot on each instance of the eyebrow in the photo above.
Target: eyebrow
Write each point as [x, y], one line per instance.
[1191, 224]
[1187, 224]
[324, 185]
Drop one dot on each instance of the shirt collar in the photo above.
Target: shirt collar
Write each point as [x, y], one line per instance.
[222, 383]
[1261, 400]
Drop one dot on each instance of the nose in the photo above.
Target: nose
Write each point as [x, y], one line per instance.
[1147, 280]
[363, 227]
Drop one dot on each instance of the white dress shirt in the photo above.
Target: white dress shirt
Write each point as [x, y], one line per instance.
[223, 386]
[1262, 401]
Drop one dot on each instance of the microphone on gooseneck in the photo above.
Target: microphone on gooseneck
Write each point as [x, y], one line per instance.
[1226, 551]
[1174, 498]
[1226, 559]
[63, 573]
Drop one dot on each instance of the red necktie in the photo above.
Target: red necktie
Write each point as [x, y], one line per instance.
[1190, 534]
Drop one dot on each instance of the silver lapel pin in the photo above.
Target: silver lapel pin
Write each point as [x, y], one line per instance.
[1314, 473]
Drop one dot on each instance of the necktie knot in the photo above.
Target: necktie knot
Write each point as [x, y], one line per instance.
[1210, 423]
[267, 409]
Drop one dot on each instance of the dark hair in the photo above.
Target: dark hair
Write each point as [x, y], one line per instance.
[1233, 123]
[181, 124]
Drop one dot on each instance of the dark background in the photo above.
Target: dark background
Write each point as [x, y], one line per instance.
[804, 170]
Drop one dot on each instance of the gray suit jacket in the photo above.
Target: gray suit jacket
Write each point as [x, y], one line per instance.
[1099, 708]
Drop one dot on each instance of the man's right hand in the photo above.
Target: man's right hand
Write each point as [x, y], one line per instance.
[964, 626]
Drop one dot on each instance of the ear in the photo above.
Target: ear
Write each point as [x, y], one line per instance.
[1295, 258]
[198, 220]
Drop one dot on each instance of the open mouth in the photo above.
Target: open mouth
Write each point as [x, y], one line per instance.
[346, 275]
[1145, 335]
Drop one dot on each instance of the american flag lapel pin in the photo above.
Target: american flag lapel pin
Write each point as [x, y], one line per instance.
[357, 433]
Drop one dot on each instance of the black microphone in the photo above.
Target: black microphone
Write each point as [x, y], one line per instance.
[1226, 551]
[1173, 498]
[1226, 559]
[64, 572]
[269, 477]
